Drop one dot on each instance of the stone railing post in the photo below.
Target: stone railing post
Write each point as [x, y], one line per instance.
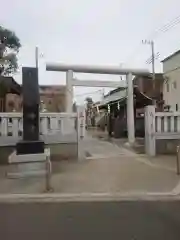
[53, 124]
[44, 125]
[4, 126]
[15, 127]
[81, 131]
[81, 122]
[150, 141]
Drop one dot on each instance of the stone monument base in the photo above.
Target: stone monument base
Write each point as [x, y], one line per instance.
[29, 147]
[31, 165]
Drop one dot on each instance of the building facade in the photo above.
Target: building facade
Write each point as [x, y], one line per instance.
[145, 85]
[13, 103]
[151, 88]
[53, 97]
[10, 92]
[171, 87]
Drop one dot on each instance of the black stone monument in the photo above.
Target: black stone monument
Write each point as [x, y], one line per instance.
[30, 91]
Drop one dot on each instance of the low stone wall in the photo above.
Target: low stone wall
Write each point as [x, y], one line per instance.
[164, 146]
[62, 151]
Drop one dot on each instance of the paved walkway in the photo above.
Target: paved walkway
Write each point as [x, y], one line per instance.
[97, 148]
[166, 161]
[161, 161]
[108, 169]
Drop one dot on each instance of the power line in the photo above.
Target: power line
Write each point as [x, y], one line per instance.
[149, 60]
[165, 28]
[79, 95]
[131, 56]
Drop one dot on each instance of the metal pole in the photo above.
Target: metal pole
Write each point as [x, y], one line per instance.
[48, 174]
[177, 160]
[36, 57]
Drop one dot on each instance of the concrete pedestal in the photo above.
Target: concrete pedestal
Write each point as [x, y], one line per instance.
[29, 164]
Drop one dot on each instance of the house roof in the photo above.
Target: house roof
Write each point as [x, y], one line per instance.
[170, 56]
[158, 76]
[114, 91]
[10, 84]
[114, 95]
[142, 98]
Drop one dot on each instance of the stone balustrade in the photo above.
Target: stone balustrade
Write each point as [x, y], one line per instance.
[54, 127]
[160, 126]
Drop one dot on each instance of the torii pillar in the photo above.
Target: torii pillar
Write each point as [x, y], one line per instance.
[130, 109]
[69, 91]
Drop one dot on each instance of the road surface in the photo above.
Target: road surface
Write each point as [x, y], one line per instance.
[123, 220]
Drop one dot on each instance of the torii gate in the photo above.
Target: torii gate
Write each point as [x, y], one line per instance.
[70, 82]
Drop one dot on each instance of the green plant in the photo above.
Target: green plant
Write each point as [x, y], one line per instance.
[9, 48]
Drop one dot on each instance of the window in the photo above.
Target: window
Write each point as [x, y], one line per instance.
[167, 86]
[174, 85]
[176, 107]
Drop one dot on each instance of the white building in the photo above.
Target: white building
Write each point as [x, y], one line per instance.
[171, 88]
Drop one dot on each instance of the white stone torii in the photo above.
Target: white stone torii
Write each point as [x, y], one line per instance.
[70, 82]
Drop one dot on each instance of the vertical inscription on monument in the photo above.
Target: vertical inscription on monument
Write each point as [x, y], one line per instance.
[30, 91]
[30, 104]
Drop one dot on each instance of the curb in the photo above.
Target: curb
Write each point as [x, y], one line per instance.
[88, 197]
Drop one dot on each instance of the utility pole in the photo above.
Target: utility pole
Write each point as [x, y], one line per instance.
[151, 43]
[153, 60]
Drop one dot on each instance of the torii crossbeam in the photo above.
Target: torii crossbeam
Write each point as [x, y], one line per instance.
[114, 70]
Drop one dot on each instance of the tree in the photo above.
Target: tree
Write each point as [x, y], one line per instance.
[9, 48]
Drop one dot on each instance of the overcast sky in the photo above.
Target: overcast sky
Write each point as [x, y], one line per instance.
[100, 32]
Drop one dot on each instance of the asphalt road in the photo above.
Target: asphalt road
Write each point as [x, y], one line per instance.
[124, 220]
